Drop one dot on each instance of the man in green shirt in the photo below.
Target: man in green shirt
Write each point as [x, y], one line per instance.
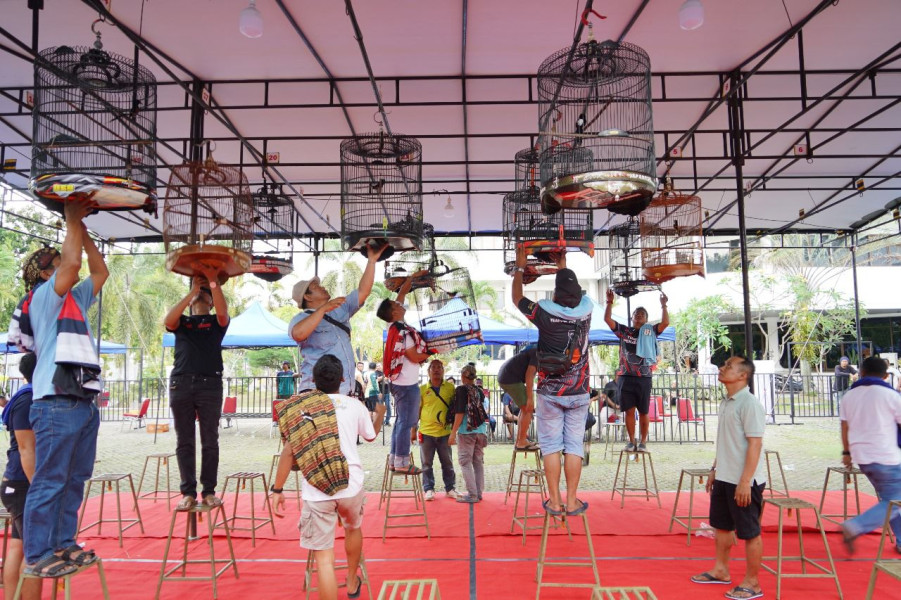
[285, 381]
[437, 397]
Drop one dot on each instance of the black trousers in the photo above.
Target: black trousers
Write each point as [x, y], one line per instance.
[196, 397]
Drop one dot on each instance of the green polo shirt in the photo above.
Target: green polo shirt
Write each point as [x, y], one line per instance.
[741, 416]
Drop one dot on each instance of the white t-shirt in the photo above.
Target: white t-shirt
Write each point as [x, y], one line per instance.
[409, 372]
[353, 420]
[873, 413]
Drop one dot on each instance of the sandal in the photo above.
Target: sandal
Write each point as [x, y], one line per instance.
[530, 447]
[743, 593]
[707, 577]
[186, 503]
[583, 506]
[551, 511]
[51, 567]
[212, 501]
[410, 470]
[79, 556]
[359, 589]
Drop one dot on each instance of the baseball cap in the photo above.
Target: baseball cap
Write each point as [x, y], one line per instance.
[300, 288]
[844, 358]
[566, 286]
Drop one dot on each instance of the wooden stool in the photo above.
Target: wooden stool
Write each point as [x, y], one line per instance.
[543, 562]
[622, 593]
[693, 474]
[199, 510]
[512, 473]
[106, 481]
[530, 480]
[168, 493]
[6, 518]
[414, 492]
[400, 493]
[420, 589]
[272, 470]
[798, 505]
[613, 433]
[643, 491]
[586, 450]
[847, 474]
[312, 569]
[892, 568]
[769, 476]
[67, 581]
[241, 479]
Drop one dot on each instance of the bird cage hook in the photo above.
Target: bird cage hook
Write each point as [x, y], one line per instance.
[98, 43]
[588, 23]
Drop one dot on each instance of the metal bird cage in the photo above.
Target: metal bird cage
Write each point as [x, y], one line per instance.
[208, 219]
[596, 132]
[274, 213]
[449, 312]
[270, 268]
[381, 192]
[624, 247]
[401, 266]
[94, 119]
[671, 237]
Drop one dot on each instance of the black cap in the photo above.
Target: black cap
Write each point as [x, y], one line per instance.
[566, 288]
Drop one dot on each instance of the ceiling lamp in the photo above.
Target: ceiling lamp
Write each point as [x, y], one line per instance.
[691, 15]
[250, 22]
[449, 211]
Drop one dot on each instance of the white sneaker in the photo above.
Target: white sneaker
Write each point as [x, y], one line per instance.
[429, 495]
[452, 494]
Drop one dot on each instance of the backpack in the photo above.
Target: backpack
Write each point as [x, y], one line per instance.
[476, 414]
[308, 422]
[559, 362]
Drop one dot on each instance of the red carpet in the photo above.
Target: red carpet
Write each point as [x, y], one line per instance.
[632, 546]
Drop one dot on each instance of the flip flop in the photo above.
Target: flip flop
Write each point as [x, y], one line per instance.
[706, 578]
[212, 501]
[359, 589]
[530, 447]
[583, 506]
[747, 593]
[186, 503]
[547, 508]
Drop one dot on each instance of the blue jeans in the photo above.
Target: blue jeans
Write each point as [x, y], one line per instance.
[561, 423]
[886, 479]
[406, 408]
[427, 450]
[65, 434]
[386, 400]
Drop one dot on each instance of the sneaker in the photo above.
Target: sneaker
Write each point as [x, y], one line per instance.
[642, 447]
[630, 447]
[452, 494]
[467, 499]
[429, 495]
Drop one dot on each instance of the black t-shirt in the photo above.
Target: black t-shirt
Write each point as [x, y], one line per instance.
[18, 420]
[554, 335]
[198, 346]
[514, 369]
[461, 406]
[843, 377]
[630, 364]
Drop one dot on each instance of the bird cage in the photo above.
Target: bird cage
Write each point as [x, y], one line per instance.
[207, 219]
[526, 164]
[94, 130]
[273, 211]
[624, 246]
[401, 266]
[671, 237]
[381, 192]
[270, 268]
[596, 133]
[450, 319]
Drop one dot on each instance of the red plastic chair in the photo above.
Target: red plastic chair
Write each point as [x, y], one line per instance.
[685, 412]
[274, 424]
[138, 417]
[229, 412]
[661, 406]
[654, 412]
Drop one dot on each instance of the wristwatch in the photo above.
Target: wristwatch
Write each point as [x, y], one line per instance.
[275, 490]
[519, 270]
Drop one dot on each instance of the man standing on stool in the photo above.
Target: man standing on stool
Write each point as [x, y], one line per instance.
[195, 385]
[517, 378]
[637, 344]
[64, 417]
[563, 400]
[437, 398]
[737, 480]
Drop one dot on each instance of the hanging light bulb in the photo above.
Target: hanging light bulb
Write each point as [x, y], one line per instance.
[250, 23]
[691, 15]
[449, 211]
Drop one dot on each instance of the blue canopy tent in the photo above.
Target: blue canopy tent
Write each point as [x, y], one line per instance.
[256, 327]
[105, 347]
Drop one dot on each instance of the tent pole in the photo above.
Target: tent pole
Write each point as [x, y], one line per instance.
[856, 299]
[159, 392]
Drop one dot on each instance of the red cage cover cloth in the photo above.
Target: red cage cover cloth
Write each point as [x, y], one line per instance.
[307, 421]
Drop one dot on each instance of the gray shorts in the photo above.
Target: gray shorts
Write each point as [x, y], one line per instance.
[319, 519]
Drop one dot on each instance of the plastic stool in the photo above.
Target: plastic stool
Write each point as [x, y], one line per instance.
[693, 474]
[798, 505]
[543, 562]
[67, 581]
[312, 569]
[168, 493]
[512, 473]
[241, 479]
[624, 489]
[420, 589]
[769, 476]
[199, 510]
[847, 475]
[106, 482]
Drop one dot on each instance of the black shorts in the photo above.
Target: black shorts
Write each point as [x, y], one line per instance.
[371, 402]
[13, 495]
[726, 515]
[635, 392]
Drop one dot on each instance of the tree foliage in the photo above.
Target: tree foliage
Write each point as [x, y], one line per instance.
[699, 326]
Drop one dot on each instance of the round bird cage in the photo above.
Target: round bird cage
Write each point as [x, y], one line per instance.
[450, 319]
[526, 163]
[94, 119]
[207, 219]
[381, 192]
[273, 211]
[270, 268]
[401, 266]
[624, 247]
[671, 237]
[596, 132]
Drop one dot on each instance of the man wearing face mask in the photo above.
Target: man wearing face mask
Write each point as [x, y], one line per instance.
[195, 385]
[323, 324]
[637, 353]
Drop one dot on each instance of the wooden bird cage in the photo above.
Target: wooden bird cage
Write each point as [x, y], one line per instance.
[596, 133]
[624, 245]
[94, 130]
[208, 219]
[450, 319]
[671, 237]
[381, 192]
